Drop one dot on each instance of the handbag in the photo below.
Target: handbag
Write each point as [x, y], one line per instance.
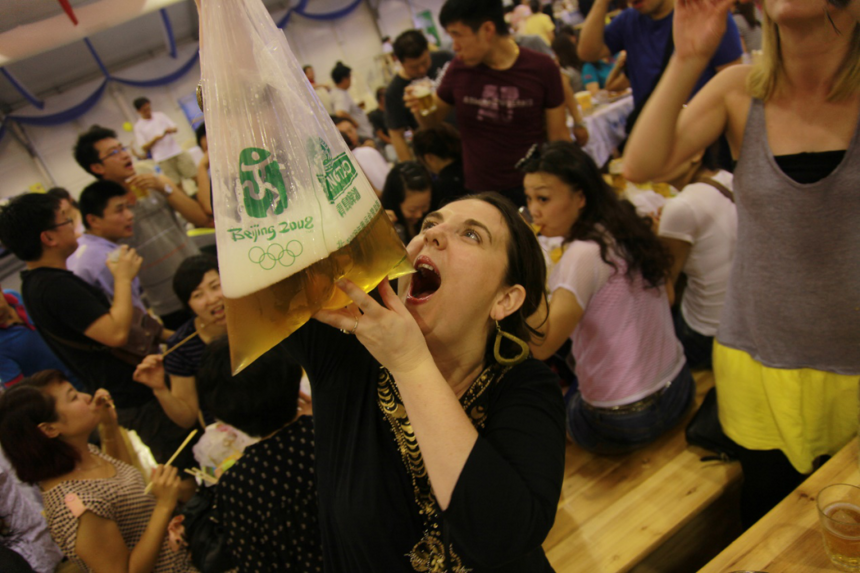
[705, 431]
[144, 338]
[205, 534]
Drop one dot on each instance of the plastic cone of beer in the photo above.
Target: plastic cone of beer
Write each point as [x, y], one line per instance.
[293, 213]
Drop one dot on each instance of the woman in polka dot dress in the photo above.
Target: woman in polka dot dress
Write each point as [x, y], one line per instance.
[95, 505]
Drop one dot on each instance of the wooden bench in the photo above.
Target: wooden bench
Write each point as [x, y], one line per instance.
[616, 511]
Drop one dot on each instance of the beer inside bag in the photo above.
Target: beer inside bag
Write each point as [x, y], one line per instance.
[293, 213]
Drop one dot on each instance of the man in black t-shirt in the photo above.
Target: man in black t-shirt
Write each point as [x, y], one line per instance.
[77, 320]
[416, 61]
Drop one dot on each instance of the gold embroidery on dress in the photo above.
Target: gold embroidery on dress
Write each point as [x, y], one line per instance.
[428, 555]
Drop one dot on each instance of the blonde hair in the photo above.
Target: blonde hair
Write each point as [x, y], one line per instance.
[765, 77]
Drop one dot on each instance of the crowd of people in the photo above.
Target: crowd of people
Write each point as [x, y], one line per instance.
[543, 307]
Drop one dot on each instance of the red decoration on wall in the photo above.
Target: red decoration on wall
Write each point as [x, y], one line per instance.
[67, 8]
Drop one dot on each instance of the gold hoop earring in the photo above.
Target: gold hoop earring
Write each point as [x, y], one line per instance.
[524, 348]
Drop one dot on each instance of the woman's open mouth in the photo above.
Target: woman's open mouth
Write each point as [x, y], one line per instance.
[425, 282]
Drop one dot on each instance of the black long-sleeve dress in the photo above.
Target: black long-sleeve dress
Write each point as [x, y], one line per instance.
[503, 504]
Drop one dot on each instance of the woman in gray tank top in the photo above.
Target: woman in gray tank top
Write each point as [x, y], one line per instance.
[787, 354]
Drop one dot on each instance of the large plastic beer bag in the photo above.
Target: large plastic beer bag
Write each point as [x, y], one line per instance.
[293, 214]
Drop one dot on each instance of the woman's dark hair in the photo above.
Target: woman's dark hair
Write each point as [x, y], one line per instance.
[473, 13]
[526, 267]
[35, 456]
[61, 193]
[443, 141]
[190, 273]
[403, 177]
[747, 10]
[140, 102]
[258, 400]
[605, 219]
[564, 46]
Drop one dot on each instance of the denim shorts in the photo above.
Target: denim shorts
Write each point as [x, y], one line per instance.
[606, 432]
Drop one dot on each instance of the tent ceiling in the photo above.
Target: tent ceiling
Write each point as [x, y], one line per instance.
[45, 51]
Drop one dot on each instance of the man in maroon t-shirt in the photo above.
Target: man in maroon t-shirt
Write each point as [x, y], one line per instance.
[506, 98]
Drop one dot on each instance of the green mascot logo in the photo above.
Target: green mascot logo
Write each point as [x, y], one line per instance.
[262, 185]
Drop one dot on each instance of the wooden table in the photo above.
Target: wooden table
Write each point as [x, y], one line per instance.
[788, 539]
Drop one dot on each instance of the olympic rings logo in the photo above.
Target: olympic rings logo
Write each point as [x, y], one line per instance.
[276, 254]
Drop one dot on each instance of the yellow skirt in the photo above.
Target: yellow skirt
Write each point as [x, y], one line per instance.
[804, 413]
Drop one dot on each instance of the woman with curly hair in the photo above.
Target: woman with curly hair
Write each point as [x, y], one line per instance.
[608, 295]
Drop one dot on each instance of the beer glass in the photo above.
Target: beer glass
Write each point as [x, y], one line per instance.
[839, 512]
[424, 91]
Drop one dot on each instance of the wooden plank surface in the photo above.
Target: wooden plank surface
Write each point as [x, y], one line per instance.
[788, 539]
[614, 511]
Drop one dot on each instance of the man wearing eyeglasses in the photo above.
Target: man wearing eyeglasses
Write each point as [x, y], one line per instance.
[78, 321]
[158, 236]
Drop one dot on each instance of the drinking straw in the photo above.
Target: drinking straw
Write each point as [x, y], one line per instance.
[173, 457]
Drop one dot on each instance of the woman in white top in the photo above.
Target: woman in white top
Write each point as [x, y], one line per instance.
[608, 295]
[700, 228]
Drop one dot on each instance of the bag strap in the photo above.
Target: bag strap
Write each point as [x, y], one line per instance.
[727, 193]
[76, 345]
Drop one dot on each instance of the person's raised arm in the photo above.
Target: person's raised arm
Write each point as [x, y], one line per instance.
[591, 46]
[190, 209]
[398, 140]
[391, 335]
[179, 401]
[112, 328]
[664, 135]
[101, 546]
[617, 81]
[431, 120]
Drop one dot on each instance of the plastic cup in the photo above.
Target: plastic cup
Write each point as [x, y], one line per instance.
[584, 100]
[839, 512]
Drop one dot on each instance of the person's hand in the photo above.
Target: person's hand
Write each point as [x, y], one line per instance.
[699, 27]
[151, 181]
[410, 101]
[389, 332]
[124, 263]
[621, 59]
[170, 130]
[150, 372]
[104, 404]
[176, 534]
[165, 485]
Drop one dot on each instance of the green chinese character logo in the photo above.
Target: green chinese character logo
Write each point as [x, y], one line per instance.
[339, 172]
[262, 184]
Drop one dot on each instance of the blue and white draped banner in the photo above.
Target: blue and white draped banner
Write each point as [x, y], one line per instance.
[91, 100]
[168, 33]
[36, 102]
